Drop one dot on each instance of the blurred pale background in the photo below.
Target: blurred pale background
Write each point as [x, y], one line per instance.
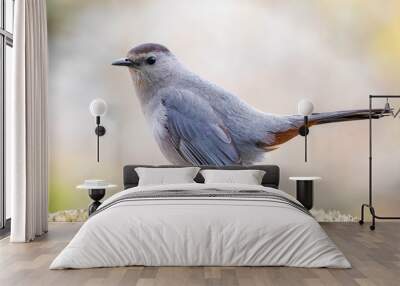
[270, 53]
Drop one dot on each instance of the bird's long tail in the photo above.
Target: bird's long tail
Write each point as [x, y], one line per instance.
[348, 115]
[297, 121]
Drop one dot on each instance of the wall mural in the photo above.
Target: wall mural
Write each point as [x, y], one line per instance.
[268, 54]
[197, 122]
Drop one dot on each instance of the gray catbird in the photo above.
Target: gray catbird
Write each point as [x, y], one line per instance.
[197, 122]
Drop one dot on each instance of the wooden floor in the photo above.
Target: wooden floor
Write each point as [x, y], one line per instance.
[375, 257]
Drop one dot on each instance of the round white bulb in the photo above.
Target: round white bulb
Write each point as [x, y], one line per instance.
[305, 107]
[98, 107]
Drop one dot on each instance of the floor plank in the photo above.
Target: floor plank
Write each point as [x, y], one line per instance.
[375, 257]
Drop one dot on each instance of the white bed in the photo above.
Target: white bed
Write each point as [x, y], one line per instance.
[206, 230]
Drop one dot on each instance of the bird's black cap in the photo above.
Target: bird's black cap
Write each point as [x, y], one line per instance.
[147, 48]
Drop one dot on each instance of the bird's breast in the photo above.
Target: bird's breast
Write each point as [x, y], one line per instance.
[157, 119]
[156, 116]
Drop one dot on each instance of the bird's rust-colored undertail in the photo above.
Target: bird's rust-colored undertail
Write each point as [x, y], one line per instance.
[281, 137]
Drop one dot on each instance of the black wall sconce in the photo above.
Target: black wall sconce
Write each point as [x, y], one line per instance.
[98, 108]
[305, 108]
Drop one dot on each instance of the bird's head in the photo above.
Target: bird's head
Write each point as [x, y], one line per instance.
[149, 64]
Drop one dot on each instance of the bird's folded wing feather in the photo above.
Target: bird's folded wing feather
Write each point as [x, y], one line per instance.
[196, 131]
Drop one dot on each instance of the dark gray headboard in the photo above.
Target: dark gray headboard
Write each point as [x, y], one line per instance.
[271, 177]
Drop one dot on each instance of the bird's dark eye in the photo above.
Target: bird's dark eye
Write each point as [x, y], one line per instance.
[151, 60]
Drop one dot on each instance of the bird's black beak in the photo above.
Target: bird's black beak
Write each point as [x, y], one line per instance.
[124, 62]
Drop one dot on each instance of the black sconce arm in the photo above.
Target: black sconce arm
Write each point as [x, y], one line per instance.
[303, 131]
[99, 131]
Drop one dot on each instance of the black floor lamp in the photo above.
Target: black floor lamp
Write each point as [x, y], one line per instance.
[387, 109]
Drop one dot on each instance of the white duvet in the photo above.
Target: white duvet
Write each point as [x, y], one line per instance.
[200, 231]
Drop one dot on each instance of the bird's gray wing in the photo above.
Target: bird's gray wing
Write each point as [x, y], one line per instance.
[196, 131]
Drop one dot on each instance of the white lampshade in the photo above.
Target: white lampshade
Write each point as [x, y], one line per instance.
[305, 107]
[98, 107]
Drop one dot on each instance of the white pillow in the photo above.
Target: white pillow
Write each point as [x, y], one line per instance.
[165, 176]
[248, 177]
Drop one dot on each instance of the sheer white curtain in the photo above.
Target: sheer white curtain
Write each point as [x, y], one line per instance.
[26, 119]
